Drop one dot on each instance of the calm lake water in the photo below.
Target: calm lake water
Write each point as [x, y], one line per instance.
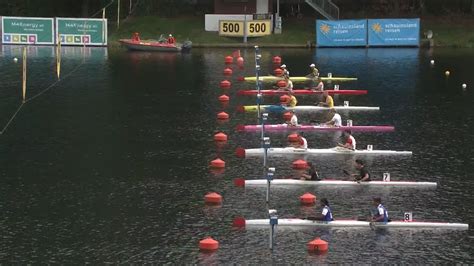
[111, 164]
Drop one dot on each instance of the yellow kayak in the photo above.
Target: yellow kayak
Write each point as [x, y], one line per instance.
[295, 79]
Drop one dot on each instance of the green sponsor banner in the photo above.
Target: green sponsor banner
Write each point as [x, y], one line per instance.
[82, 31]
[19, 30]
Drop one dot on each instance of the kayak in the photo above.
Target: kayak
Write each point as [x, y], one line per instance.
[240, 182]
[283, 127]
[241, 222]
[307, 108]
[296, 79]
[154, 46]
[241, 152]
[302, 92]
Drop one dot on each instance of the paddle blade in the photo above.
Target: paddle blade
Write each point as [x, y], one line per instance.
[346, 172]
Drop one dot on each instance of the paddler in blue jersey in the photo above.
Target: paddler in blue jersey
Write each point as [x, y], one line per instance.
[326, 214]
[381, 215]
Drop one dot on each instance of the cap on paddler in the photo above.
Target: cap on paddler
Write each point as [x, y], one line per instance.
[283, 66]
[312, 65]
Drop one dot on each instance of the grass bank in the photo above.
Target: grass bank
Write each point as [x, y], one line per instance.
[447, 32]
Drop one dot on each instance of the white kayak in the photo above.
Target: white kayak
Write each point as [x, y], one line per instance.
[241, 152]
[241, 222]
[334, 182]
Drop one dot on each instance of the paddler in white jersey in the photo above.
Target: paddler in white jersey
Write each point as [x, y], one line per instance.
[381, 215]
[302, 142]
[294, 120]
[350, 141]
[285, 71]
[326, 214]
[289, 84]
[336, 119]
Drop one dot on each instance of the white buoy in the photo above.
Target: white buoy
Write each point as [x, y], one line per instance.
[432, 62]
[15, 59]
[464, 85]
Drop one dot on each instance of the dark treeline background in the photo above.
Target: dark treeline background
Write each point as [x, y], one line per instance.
[170, 8]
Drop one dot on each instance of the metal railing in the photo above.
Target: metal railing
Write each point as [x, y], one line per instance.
[326, 7]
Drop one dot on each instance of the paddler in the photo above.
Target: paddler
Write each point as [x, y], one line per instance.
[319, 86]
[289, 84]
[292, 101]
[285, 71]
[302, 142]
[336, 119]
[350, 141]
[364, 174]
[381, 215]
[327, 100]
[312, 173]
[326, 214]
[171, 39]
[314, 72]
[294, 120]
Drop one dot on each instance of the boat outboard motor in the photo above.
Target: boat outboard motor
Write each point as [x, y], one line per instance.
[186, 46]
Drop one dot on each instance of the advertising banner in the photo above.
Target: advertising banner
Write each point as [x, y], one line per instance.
[394, 32]
[337, 33]
[81, 31]
[18, 30]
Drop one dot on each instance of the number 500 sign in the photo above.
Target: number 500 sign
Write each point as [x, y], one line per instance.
[236, 28]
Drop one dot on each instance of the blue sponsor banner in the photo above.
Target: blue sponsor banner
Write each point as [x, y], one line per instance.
[394, 32]
[332, 33]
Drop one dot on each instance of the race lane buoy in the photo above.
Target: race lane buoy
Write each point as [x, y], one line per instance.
[240, 60]
[213, 198]
[300, 164]
[287, 116]
[317, 245]
[276, 60]
[218, 163]
[220, 136]
[278, 71]
[223, 98]
[307, 199]
[222, 116]
[293, 137]
[228, 59]
[208, 244]
[281, 83]
[227, 71]
[225, 84]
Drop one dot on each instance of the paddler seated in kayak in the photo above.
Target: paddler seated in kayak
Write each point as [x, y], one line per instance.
[289, 84]
[302, 143]
[314, 72]
[171, 39]
[326, 214]
[336, 120]
[327, 100]
[364, 174]
[319, 86]
[293, 120]
[350, 143]
[291, 101]
[381, 214]
[311, 174]
[285, 70]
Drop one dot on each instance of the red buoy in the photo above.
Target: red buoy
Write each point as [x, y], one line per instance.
[213, 198]
[224, 98]
[281, 83]
[300, 164]
[217, 163]
[284, 98]
[223, 116]
[318, 245]
[225, 84]
[293, 137]
[308, 198]
[227, 71]
[220, 137]
[287, 116]
[278, 71]
[240, 60]
[208, 244]
[276, 60]
[228, 59]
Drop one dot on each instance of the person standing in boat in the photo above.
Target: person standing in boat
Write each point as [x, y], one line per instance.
[326, 214]
[364, 174]
[171, 39]
[350, 141]
[327, 100]
[336, 119]
[311, 174]
[381, 215]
